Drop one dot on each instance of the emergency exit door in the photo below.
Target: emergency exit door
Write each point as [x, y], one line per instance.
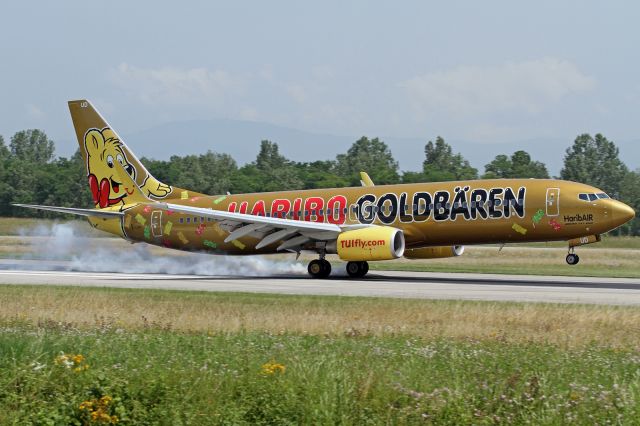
[553, 201]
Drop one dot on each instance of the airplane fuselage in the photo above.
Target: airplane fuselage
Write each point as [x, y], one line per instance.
[429, 214]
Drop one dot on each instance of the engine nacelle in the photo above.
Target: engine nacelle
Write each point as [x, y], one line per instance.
[434, 252]
[371, 243]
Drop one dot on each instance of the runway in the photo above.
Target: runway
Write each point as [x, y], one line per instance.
[515, 288]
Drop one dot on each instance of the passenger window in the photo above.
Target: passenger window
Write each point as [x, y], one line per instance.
[583, 197]
[181, 220]
[592, 197]
[188, 220]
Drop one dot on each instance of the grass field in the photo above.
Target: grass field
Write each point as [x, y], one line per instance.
[101, 356]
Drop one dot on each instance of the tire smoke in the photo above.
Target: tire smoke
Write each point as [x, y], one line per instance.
[68, 247]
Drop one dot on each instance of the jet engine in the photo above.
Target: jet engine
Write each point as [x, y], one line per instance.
[371, 243]
[434, 252]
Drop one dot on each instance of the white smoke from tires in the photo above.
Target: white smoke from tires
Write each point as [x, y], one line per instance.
[67, 246]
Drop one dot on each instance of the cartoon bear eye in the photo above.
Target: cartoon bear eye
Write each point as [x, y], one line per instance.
[120, 159]
[110, 161]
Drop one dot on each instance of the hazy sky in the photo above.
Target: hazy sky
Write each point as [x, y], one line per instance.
[478, 71]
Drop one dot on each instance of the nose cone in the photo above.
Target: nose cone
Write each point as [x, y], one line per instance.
[622, 213]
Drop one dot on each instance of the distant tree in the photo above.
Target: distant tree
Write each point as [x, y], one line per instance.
[27, 166]
[5, 190]
[441, 164]
[274, 171]
[32, 146]
[413, 177]
[320, 174]
[630, 194]
[63, 182]
[209, 173]
[518, 166]
[595, 161]
[372, 156]
[4, 151]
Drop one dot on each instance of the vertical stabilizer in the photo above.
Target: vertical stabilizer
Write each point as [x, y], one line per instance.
[101, 148]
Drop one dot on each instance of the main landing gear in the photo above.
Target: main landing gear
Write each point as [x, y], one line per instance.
[357, 269]
[321, 268]
[572, 257]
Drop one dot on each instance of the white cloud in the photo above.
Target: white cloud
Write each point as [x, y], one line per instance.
[521, 86]
[177, 86]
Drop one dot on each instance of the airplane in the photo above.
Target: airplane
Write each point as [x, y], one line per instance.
[358, 224]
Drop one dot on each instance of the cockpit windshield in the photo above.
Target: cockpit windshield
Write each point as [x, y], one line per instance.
[592, 196]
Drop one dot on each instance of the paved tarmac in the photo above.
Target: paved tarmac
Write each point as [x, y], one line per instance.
[516, 288]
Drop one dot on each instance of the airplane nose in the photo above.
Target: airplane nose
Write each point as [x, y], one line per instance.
[622, 213]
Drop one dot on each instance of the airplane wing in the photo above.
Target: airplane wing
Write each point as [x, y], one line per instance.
[293, 233]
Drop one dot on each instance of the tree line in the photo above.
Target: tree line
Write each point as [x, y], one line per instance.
[31, 174]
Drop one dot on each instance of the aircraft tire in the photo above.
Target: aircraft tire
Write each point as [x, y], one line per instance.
[319, 268]
[326, 268]
[315, 268]
[364, 267]
[353, 269]
[357, 269]
[572, 259]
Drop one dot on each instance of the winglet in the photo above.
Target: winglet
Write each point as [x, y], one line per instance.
[365, 180]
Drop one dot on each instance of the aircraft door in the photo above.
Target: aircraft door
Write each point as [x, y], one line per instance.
[553, 201]
[156, 223]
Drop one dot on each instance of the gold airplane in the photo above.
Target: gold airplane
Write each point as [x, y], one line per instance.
[359, 224]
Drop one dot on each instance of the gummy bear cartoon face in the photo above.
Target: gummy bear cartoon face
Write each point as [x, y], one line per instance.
[103, 150]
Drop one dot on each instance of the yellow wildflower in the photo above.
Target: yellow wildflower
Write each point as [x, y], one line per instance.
[273, 367]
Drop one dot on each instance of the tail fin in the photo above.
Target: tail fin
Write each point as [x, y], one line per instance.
[101, 148]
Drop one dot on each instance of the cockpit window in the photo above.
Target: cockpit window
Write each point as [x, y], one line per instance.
[593, 197]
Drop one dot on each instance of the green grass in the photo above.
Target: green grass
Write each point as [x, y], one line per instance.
[310, 360]
[163, 377]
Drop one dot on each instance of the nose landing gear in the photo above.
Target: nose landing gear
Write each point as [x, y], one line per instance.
[572, 258]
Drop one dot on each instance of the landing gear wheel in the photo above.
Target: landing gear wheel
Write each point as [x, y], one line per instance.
[326, 268]
[357, 269]
[573, 259]
[364, 267]
[319, 268]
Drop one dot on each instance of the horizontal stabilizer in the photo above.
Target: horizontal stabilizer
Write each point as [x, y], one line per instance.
[105, 214]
